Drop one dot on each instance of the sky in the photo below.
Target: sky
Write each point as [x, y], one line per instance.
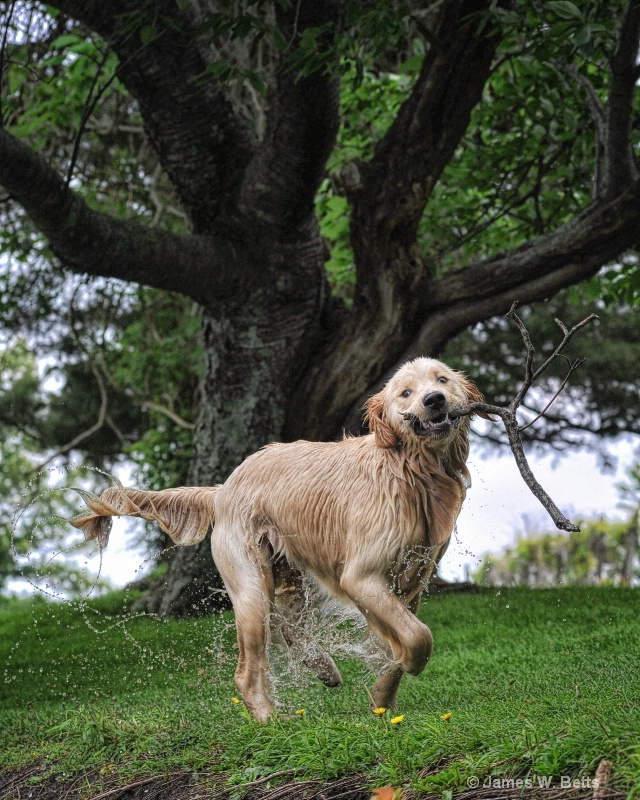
[498, 508]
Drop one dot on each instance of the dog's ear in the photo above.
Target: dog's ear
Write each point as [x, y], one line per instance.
[474, 395]
[376, 418]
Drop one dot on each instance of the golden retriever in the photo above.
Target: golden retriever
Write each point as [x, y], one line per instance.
[367, 518]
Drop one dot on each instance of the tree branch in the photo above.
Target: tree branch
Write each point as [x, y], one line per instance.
[97, 425]
[370, 353]
[509, 419]
[600, 232]
[410, 158]
[86, 241]
[620, 164]
[388, 196]
[280, 184]
[598, 115]
[201, 143]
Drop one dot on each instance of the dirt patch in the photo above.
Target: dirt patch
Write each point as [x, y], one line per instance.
[34, 783]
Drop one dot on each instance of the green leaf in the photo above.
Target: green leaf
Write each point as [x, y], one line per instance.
[147, 34]
[582, 36]
[65, 40]
[565, 9]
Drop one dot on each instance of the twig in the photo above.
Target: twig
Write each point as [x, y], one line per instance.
[88, 110]
[104, 397]
[572, 368]
[102, 414]
[510, 421]
[179, 421]
[3, 48]
[251, 784]
[130, 786]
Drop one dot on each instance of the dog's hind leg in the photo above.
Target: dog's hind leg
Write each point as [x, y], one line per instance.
[248, 576]
[292, 602]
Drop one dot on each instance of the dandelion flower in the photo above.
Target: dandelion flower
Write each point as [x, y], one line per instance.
[234, 700]
[300, 712]
[446, 716]
[379, 711]
[398, 719]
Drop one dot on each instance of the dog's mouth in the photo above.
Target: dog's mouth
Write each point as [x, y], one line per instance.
[439, 426]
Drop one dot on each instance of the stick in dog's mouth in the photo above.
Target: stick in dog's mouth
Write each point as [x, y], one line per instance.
[436, 427]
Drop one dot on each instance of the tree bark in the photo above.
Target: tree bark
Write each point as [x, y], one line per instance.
[252, 352]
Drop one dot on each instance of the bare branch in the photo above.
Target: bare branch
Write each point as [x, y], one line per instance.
[102, 417]
[572, 368]
[509, 419]
[160, 409]
[567, 336]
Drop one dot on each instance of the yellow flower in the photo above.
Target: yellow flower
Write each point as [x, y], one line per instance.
[234, 700]
[396, 720]
[379, 711]
[300, 711]
[446, 716]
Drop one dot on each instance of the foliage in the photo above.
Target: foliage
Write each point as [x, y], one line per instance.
[524, 166]
[146, 375]
[532, 684]
[526, 163]
[30, 503]
[601, 552]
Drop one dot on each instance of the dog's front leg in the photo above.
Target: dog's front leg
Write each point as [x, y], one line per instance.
[385, 689]
[410, 640]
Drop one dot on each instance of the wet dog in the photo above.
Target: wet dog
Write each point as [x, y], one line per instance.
[367, 518]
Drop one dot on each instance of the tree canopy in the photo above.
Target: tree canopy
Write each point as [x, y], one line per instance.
[226, 222]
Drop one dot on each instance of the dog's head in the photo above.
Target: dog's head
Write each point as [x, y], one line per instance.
[417, 405]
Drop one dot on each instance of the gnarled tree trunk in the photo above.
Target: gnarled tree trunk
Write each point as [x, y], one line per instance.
[254, 352]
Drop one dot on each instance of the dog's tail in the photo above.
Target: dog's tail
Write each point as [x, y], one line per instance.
[185, 513]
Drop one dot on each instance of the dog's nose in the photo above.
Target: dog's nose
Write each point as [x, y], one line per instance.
[434, 401]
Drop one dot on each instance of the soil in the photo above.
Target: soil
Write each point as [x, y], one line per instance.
[35, 783]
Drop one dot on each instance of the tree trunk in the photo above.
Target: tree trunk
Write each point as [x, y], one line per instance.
[253, 351]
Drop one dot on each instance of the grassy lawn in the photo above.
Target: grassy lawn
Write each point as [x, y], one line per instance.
[539, 683]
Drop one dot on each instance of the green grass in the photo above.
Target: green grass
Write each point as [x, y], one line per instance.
[537, 682]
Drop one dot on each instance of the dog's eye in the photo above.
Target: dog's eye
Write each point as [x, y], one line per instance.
[406, 393]
[442, 379]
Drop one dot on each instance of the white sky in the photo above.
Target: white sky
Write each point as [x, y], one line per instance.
[500, 507]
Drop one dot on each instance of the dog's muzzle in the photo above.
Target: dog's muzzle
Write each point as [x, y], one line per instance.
[437, 427]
